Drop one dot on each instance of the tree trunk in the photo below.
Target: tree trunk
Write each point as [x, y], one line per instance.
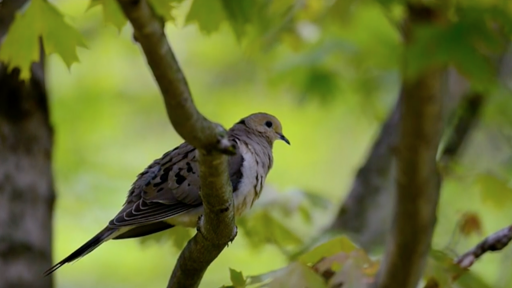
[26, 185]
[26, 182]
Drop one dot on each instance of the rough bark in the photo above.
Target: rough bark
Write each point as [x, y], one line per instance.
[417, 179]
[217, 227]
[26, 181]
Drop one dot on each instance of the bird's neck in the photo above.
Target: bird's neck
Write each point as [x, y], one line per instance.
[259, 144]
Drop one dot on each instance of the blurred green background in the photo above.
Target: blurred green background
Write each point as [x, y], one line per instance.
[331, 98]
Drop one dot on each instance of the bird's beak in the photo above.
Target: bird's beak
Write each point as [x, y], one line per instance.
[281, 136]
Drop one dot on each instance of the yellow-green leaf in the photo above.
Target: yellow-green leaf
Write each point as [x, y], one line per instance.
[329, 248]
[208, 14]
[40, 19]
[112, 12]
[164, 8]
[261, 227]
[298, 275]
[237, 278]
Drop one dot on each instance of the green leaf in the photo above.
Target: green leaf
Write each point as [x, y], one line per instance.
[262, 227]
[470, 280]
[440, 268]
[463, 43]
[164, 8]
[331, 247]
[40, 19]
[208, 14]
[112, 12]
[266, 277]
[298, 275]
[237, 278]
[240, 14]
[494, 191]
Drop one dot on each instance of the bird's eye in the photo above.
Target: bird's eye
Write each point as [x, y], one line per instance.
[268, 124]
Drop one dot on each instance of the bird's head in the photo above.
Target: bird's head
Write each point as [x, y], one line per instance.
[266, 125]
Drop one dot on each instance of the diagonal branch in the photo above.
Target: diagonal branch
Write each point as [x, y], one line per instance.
[217, 228]
[372, 185]
[417, 178]
[495, 242]
[188, 122]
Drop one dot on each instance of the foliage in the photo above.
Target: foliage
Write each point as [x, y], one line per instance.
[339, 262]
[321, 55]
[465, 37]
[40, 20]
[266, 222]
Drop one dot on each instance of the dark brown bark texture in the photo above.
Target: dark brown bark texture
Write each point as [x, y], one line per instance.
[26, 182]
[417, 178]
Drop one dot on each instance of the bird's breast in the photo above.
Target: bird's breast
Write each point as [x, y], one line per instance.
[254, 173]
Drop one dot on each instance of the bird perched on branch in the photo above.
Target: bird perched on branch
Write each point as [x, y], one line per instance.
[166, 193]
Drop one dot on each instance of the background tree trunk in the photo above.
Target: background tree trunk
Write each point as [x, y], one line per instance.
[26, 181]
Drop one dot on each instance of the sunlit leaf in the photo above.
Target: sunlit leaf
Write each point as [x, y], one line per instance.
[470, 280]
[266, 277]
[327, 266]
[494, 191]
[112, 12]
[237, 278]
[440, 269]
[164, 8]
[298, 275]
[261, 227]
[40, 19]
[353, 269]
[208, 14]
[240, 14]
[331, 247]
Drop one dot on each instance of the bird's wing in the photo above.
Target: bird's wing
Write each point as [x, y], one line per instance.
[168, 187]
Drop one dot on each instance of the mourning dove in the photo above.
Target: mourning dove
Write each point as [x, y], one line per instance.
[166, 193]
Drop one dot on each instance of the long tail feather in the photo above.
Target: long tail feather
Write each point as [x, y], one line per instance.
[85, 249]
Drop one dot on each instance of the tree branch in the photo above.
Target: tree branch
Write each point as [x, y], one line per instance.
[217, 228]
[188, 122]
[417, 180]
[494, 242]
[372, 184]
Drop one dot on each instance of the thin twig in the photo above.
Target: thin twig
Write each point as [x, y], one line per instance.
[494, 242]
[217, 228]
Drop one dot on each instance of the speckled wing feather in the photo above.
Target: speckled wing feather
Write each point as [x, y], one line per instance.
[168, 187]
